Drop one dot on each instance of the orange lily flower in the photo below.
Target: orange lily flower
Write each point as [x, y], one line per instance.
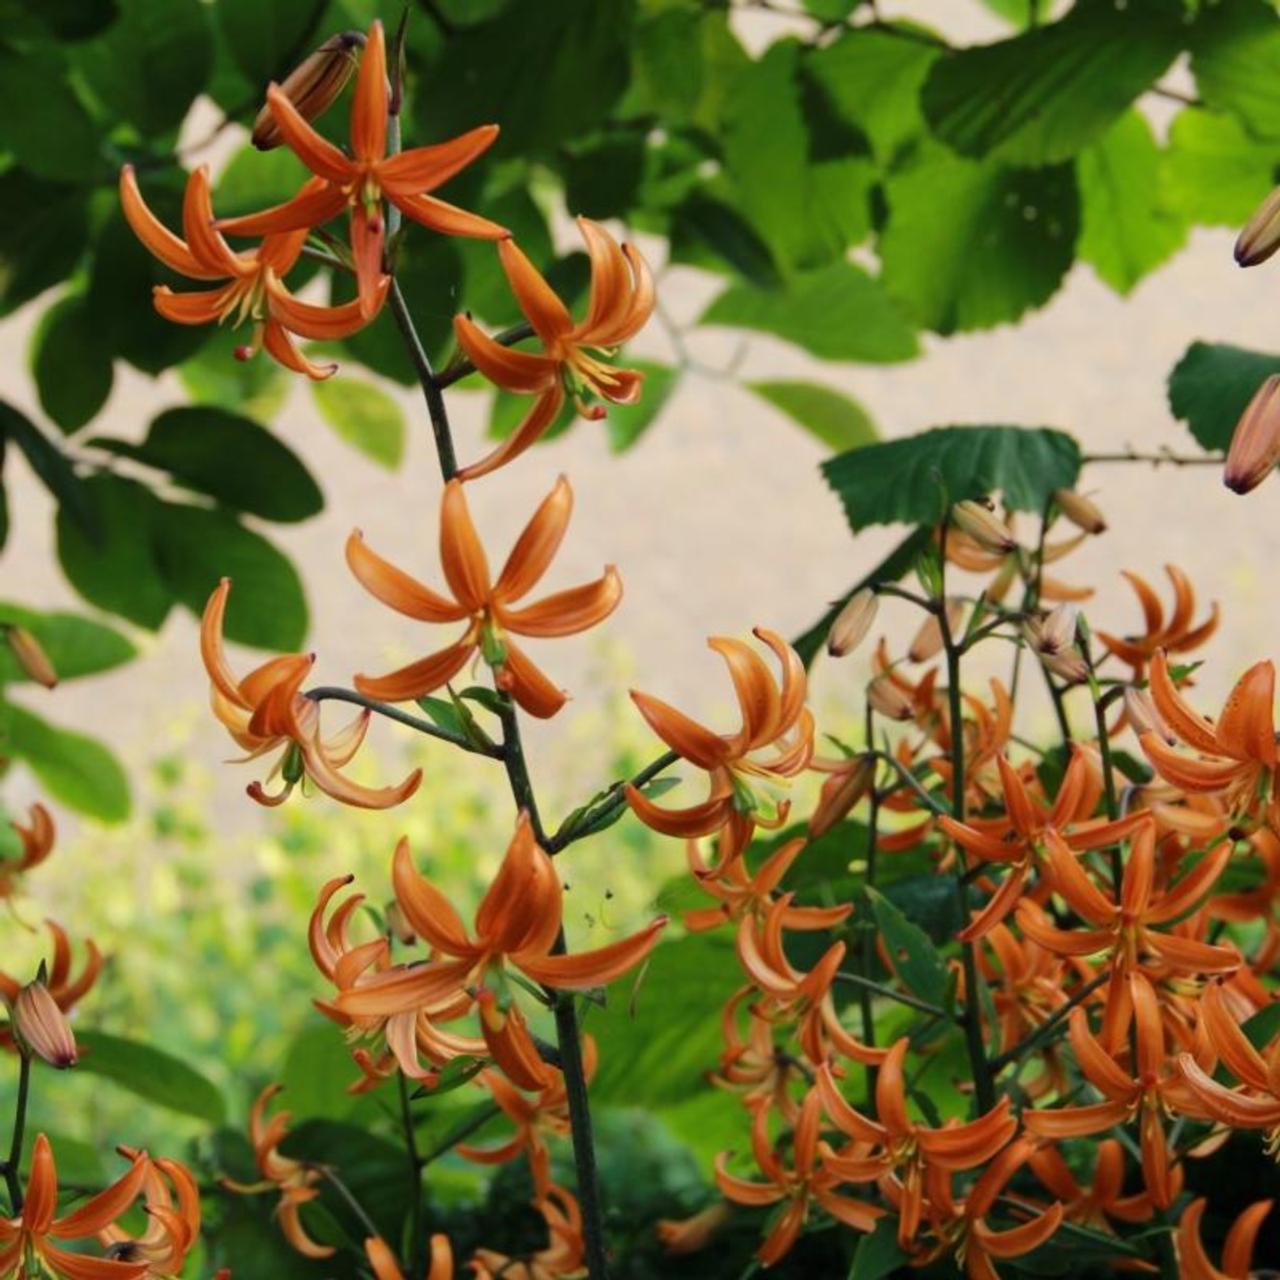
[1019, 836]
[773, 716]
[895, 1149]
[517, 922]
[361, 181]
[405, 1035]
[253, 290]
[1144, 1096]
[848, 783]
[754, 1066]
[267, 711]
[487, 606]
[681, 1236]
[173, 1219]
[790, 996]
[1095, 1205]
[965, 552]
[37, 844]
[741, 894]
[1179, 634]
[27, 1240]
[294, 1179]
[804, 1183]
[1237, 1253]
[561, 1258]
[1240, 748]
[65, 991]
[385, 1266]
[621, 302]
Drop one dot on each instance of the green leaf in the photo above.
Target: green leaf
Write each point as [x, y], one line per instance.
[42, 122]
[912, 479]
[1039, 97]
[51, 467]
[73, 19]
[71, 364]
[626, 423]
[916, 960]
[703, 224]
[666, 1036]
[42, 235]
[878, 1254]
[968, 245]
[1262, 1027]
[256, 388]
[836, 419]
[257, 179]
[1235, 57]
[150, 1073]
[151, 63]
[1213, 170]
[1125, 229]
[317, 1070]
[76, 646]
[364, 416]
[198, 547]
[1212, 384]
[872, 80]
[602, 175]
[836, 313]
[268, 38]
[76, 770]
[118, 571]
[234, 460]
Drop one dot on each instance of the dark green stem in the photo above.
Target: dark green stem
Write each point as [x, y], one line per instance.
[1048, 1028]
[421, 362]
[12, 1166]
[331, 1176]
[335, 693]
[415, 1173]
[459, 1133]
[868, 987]
[590, 820]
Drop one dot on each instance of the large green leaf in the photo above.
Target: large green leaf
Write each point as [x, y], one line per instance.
[1235, 55]
[197, 547]
[76, 770]
[915, 959]
[664, 1038]
[1041, 96]
[42, 234]
[602, 175]
[710, 232]
[150, 1073]
[72, 363]
[878, 1254]
[365, 417]
[42, 122]
[76, 646]
[72, 19]
[267, 37]
[1213, 171]
[1211, 385]
[52, 467]
[836, 419]
[1125, 229]
[971, 245]
[911, 480]
[150, 64]
[230, 458]
[837, 313]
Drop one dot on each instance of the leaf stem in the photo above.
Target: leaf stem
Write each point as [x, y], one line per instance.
[870, 988]
[1046, 1031]
[588, 821]
[335, 693]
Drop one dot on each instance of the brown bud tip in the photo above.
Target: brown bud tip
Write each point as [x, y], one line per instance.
[312, 85]
[31, 656]
[1261, 235]
[42, 1028]
[982, 524]
[888, 700]
[1081, 511]
[852, 623]
[1255, 445]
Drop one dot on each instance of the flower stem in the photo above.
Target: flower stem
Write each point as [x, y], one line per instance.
[333, 1178]
[1048, 1028]
[421, 362]
[335, 693]
[868, 987]
[589, 820]
[13, 1164]
[415, 1172]
[459, 1132]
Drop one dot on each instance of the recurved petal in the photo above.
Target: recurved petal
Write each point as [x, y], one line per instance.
[424, 169]
[1186, 773]
[643, 297]
[382, 1260]
[568, 612]
[1016, 1241]
[397, 589]
[683, 735]
[697, 820]
[1192, 728]
[537, 544]
[369, 101]
[759, 701]
[543, 309]
[338, 786]
[206, 245]
[509, 1044]
[1075, 1122]
[428, 911]
[740, 1191]
[211, 651]
[520, 372]
[308, 320]
[610, 281]
[293, 1231]
[462, 557]
[317, 153]
[203, 307]
[280, 347]
[368, 236]
[155, 236]
[525, 681]
[421, 677]
[595, 968]
[1246, 727]
[446, 218]
[104, 1208]
[313, 206]
[544, 411]
[77, 1266]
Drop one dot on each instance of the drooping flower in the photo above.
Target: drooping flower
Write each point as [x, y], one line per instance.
[253, 290]
[266, 711]
[64, 990]
[570, 364]
[1179, 632]
[1008, 566]
[562, 1256]
[172, 1201]
[1103, 1199]
[295, 1180]
[691, 1235]
[385, 1266]
[37, 839]
[773, 717]
[361, 181]
[757, 1066]
[491, 609]
[33, 1233]
[1237, 1253]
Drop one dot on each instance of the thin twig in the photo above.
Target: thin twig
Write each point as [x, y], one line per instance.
[902, 997]
[575, 828]
[335, 693]
[1045, 1031]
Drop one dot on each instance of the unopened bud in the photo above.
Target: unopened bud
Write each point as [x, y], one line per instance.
[1081, 511]
[886, 699]
[843, 790]
[312, 85]
[1053, 639]
[1141, 713]
[1261, 235]
[852, 623]
[1255, 446]
[41, 1027]
[399, 925]
[983, 526]
[31, 657]
[929, 639]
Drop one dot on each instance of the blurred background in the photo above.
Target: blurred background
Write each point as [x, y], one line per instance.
[861, 230]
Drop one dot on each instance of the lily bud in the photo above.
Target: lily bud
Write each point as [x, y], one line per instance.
[41, 1027]
[888, 700]
[843, 790]
[31, 657]
[1081, 511]
[1255, 446]
[1053, 639]
[983, 526]
[312, 85]
[1141, 713]
[1261, 235]
[928, 640]
[852, 623]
